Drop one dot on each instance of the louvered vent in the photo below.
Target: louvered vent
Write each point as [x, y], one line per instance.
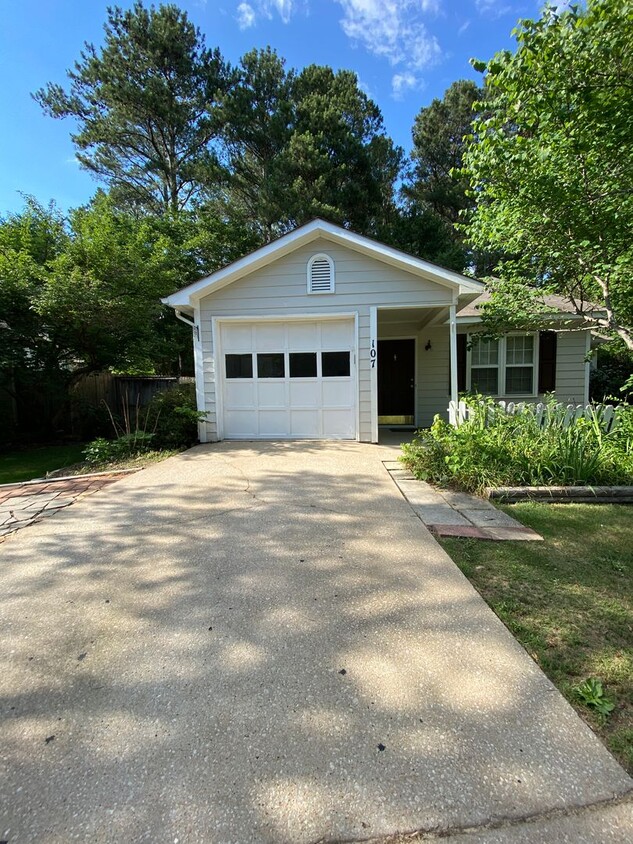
[320, 274]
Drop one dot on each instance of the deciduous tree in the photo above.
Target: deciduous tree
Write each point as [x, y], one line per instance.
[550, 166]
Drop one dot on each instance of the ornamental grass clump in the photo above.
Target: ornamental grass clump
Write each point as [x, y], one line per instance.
[493, 447]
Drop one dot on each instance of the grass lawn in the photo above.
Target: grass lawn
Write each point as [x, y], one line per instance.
[28, 463]
[569, 601]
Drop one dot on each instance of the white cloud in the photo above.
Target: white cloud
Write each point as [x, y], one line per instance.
[392, 29]
[247, 13]
[245, 16]
[492, 8]
[403, 82]
[285, 9]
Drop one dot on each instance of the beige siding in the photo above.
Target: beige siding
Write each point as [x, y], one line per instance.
[280, 289]
[570, 366]
[433, 373]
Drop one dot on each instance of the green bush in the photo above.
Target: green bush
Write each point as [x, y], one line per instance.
[112, 451]
[173, 418]
[493, 448]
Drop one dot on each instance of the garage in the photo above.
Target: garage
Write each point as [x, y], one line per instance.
[294, 379]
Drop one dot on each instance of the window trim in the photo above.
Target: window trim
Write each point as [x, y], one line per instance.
[502, 365]
[330, 261]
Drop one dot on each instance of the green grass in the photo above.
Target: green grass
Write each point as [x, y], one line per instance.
[26, 464]
[568, 600]
[59, 460]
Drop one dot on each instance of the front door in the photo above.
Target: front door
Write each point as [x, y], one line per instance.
[396, 382]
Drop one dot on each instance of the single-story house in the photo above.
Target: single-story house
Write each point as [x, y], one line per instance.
[326, 334]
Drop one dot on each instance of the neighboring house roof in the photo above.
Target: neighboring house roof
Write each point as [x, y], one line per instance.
[471, 312]
[303, 235]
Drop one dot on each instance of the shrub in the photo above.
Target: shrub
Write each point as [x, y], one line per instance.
[111, 451]
[173, 418]
[493, 448]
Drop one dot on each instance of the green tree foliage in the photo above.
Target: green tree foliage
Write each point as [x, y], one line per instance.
[438, 143]
[307, 144]
[434, 191]
[550, 164]
[146, 107]
[82, 294]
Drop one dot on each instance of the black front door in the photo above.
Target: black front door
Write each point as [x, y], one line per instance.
[396, 382]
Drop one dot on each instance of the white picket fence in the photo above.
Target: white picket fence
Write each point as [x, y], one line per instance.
[559, 414]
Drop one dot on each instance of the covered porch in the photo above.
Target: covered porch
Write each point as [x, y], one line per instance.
[414, 368]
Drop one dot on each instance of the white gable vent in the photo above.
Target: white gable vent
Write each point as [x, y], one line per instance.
[320, 274]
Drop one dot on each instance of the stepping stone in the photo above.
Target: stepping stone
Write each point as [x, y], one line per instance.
[517, 534]
[440, 515]
[464, 501]
[465, 531]
[490, 518]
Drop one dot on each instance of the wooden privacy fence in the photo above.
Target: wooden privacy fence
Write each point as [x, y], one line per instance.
[545, 415]
[101, 388]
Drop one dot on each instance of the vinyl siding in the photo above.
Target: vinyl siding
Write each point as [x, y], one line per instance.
[280, 289]
[432, 387]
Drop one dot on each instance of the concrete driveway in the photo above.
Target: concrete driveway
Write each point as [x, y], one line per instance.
[262, 643]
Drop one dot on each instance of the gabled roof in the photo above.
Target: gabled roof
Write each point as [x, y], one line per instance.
[303, 235]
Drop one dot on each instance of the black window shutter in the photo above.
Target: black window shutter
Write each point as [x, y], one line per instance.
[547, 362]
[461, 362]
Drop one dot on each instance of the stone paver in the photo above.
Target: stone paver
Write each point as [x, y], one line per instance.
[23, 505]
[449, 513]
[261, 642]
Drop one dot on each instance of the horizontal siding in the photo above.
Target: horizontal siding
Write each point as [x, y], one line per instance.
[280, 289]
[432, 386]
[570, 366]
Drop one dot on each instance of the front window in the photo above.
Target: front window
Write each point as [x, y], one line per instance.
[484, 366]
[503, 367]
[519, 364]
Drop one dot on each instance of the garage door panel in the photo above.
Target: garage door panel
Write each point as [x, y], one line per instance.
[304, 423]
[273, 423]
[237, 338]
[339, 423]
[240, 394]
[303, 336]
[336, 393]
[305, 394]
[269, 337]
[241, 423]
[271, 394]
[288, 379]
[337, 336]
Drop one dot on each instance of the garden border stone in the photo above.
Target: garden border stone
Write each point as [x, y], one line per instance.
[558, 494]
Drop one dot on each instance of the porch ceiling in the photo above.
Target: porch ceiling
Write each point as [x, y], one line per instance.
[420, 317]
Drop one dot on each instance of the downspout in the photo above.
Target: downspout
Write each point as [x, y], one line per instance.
[188, 321]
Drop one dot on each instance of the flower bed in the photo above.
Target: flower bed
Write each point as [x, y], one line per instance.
[492, 449]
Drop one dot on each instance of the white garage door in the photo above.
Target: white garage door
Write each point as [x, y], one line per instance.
[289, 379]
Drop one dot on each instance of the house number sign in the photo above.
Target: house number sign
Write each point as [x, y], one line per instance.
[373, 354]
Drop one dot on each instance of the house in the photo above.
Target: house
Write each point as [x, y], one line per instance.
[327, 334]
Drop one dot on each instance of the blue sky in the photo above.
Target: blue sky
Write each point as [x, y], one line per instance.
[405, 53]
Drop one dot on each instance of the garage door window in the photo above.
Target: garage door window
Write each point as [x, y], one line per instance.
[335, 364]
[303, 364]
[271, 365]
[239, 366]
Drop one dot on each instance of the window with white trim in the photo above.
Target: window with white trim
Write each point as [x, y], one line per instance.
[320, 274]
[506, 366]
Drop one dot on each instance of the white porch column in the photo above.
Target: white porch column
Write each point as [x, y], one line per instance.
[373, 371]
[453, 347]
